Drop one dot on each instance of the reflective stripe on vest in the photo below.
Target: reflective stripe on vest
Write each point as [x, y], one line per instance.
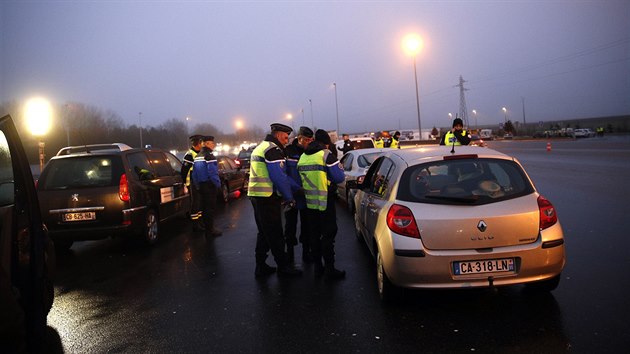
[260, 184]
[450, 137]
[193, 153]
[394, 144]
[312, 169]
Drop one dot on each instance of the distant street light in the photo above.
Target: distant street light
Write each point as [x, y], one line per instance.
[450, 115]
[38, 113]
[312, 119]
[412, 45]
[475, 114]
[140, 120]
[337, 108]
[505, 113]
[290, 118]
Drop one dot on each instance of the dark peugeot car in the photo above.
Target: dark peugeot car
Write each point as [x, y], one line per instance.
[26, 254]
[233, 178]
[97, 191]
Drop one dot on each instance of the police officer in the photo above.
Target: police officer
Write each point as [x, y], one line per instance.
[320, 172]
[457, 135]
[347, 144]
[395, 141]
[186, 173]
[269, 188]
[378, 141]
[205, 178]
[293, 152]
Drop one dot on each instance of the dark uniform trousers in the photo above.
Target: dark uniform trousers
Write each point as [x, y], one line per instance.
[290, 227]
[323, 229]
[268, 215]
[195, 205]
[207, 194]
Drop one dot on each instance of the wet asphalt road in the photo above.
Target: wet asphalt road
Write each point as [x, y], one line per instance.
[189, 294]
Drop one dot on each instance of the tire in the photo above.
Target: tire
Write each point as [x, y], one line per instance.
[387, 291]
[225, 193]
[547, 285]
[349, 202]
[150, 230]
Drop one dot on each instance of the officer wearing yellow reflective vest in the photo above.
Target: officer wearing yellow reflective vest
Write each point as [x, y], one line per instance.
[395, 141]
[457, 135]
[320, 172]
[186, 173]
[269, 188]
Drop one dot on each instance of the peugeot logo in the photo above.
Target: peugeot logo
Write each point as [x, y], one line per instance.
[482, 226]
[74, 197]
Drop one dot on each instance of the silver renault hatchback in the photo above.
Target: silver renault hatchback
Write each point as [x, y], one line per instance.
[437, 218]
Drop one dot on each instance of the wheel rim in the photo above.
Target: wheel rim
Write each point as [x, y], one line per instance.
[152, 227]
[225, 193]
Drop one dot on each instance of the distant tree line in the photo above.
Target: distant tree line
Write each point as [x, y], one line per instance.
[79, 124]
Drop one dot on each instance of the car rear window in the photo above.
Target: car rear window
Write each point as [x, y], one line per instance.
[363, 144]
[465, 181]
[81, 172]
[367, 160]
[244, 154]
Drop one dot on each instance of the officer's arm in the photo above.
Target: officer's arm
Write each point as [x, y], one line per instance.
[280, 179]
[464, 139]
[186, 165]
[443, 140]
[213, 171]
[334, 170]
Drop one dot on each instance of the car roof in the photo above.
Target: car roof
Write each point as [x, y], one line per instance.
[413, 156]
[367, 151]
[100, 150]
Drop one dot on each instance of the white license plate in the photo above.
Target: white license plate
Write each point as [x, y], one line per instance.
[484, 266]
[79, 216]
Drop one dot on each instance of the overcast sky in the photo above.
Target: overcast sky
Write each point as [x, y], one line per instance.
[216, 62]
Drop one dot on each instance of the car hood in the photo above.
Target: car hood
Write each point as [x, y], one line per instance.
[455, 227]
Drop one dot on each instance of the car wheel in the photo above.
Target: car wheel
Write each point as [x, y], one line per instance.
[225, 193]
[387, 291]
[151, 229]
[350, 202]
[545, 285]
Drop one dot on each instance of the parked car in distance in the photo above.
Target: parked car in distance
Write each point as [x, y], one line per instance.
[471, 219]
[507, 136]
[234, 178]
[243, 158]
[475, 140]
[108, 190]
[355, 163]
[584, 133]
[357, 143]
[27, 256]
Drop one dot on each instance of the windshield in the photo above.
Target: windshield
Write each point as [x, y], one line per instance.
[467, 181]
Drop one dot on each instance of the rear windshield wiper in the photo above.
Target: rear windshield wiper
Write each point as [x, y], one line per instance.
[466, 199]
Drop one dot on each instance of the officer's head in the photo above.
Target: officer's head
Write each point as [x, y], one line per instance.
[323, 137]
[195, 141]
[397, 134]
[208, 141]
[281, 132]
[346, 137]
[305, 136]
[458, 124]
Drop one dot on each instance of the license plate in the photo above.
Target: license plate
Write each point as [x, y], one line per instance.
[79, 216]
[485, 266]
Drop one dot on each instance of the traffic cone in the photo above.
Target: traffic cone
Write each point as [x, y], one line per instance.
[548, 146]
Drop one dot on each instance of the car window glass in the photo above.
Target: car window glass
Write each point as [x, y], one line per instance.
[175, 163]
[367, 159]
[7, 192]
[381, 176]
[346, 162]
[244, 154]
[161, 167]
[140, 166]
[231, 163]
[470, 181]
[81, 172]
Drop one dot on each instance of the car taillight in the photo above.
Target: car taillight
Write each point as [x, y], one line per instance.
[123, 188]
[401, 221]
[548, 215]
[237, 162]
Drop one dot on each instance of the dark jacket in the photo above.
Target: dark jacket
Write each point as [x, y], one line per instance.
[206, 168]
[293, 153]
[348, 145]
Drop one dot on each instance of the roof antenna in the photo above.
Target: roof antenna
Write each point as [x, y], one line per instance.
[454, 138]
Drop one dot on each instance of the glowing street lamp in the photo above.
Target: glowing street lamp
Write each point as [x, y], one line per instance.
[38, 113]
[474, 111]
[412, 44]
[505, 113]
[290, 117]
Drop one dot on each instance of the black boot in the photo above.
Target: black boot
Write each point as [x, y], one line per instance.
[290, 255]
[289, 270]
[263, 270]
[306, 255]
[333, 273]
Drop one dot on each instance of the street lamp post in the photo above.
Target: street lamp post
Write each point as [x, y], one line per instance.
[412, 44]
[303, 122]
[337, 108]
[38, 113]
[140, 121]
[290, 118]
[312, 119]
[474, 111]
[504, 114]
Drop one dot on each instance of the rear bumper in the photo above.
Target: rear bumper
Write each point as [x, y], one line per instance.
[131, 221]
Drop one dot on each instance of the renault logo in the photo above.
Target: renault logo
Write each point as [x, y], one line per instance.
[482, 226]
[74, 197]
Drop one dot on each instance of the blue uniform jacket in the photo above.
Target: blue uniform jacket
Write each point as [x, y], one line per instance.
[205, 169]
[293, 152]
[275, 160]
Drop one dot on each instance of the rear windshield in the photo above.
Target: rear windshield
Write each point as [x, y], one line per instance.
[80, 172]
[244, 154]
[363, 144]
[467, 181]
[366, 160]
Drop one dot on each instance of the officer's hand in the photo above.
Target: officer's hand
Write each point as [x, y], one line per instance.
[185, 189]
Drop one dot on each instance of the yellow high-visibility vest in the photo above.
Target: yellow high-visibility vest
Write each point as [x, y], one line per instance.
[450, 137]
[379, 143]
[394, 144]
[312, 169]
[194, 154]
[260, 184]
